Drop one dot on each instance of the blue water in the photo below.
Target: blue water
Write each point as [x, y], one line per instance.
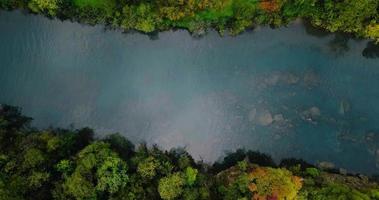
[285, 92]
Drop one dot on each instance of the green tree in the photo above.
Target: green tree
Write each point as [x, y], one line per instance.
[171, 187]
[147, 167]
[48, 6]
[190, 175]
[98, 171]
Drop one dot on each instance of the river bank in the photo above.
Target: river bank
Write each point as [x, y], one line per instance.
[359, 18]
[72, 164]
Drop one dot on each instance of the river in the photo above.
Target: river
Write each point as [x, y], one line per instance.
[289, 92]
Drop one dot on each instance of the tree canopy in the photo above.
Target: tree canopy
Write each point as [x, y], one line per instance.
[358, 17]
[72, 164]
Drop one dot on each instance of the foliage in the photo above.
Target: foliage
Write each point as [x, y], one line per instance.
[48, 6]
[98, 170]
[147, 167]
[171, 187]
[70, 164]
[237, 189]
[123, 147]
[359, 17]
[276, 183]
[233, 158]
[313, 172]
[190, 175]
[372, 31]
[335, 191]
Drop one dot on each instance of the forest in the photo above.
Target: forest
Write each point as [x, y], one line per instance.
[359, 18]
[75, 164]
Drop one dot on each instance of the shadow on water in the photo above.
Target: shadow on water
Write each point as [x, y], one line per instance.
[339, 45]
[371, 51]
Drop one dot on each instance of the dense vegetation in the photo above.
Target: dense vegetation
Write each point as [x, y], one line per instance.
[72, 164]
[358, 17]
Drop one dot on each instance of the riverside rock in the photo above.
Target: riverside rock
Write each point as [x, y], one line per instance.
[326, 165]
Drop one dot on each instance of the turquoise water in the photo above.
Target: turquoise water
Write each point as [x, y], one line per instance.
[289, 92]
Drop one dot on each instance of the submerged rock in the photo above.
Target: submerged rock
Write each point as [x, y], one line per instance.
[260, 116]
[277, 137]
[281, 78]
[344, 107]
[265, 118]
[252, 114]
[314, 111]
[290, 78]
[272, 80]
[370, 137]
[348, 136]
[311, 79]
[311, 114]
[278, 118]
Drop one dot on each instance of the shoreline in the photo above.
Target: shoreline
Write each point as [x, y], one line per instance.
[200, 19]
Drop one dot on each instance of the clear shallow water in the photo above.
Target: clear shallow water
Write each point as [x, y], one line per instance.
[283, 92]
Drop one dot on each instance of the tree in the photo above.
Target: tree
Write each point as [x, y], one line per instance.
[268, 182]
[121, 145]
[347, 15]
[12, 124]
[146, 18]
[98, 171]
[171, 187]
[147, 167]
[372, 31]
[190, 175]
[48, 6]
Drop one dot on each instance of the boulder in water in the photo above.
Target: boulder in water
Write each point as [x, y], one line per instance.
[314, 111]
[311, 114]
[265, 118]
[290, 78]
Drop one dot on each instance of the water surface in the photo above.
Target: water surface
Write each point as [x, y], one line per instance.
[285, 92]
